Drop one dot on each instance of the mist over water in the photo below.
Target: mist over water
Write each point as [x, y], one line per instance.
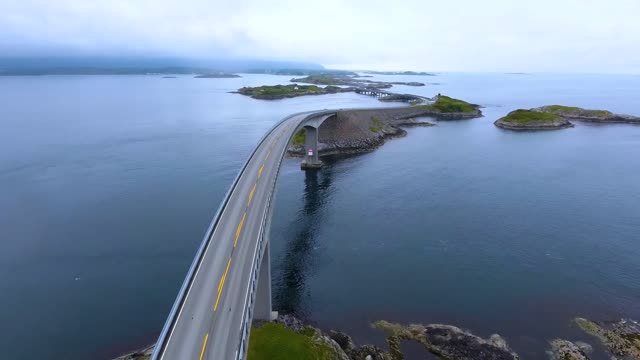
[109, 182]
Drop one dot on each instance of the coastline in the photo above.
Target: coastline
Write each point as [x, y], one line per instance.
[359, 131]
[618, 338]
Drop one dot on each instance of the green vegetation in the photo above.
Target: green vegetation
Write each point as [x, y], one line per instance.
[377, 125]
[588, 326]
[280, 90]
[273, 341]
[299, 138]
[308, 331]
[559, 109]
[445, 104]
[521, 116]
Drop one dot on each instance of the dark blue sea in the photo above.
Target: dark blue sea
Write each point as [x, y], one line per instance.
[108, 183]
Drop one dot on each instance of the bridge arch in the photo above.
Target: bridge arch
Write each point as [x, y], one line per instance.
[311, 127]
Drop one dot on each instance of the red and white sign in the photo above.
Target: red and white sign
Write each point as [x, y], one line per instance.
[310, 152]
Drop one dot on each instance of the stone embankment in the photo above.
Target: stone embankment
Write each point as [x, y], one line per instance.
[356, 131]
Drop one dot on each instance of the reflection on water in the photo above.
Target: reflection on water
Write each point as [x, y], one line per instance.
[297, 259]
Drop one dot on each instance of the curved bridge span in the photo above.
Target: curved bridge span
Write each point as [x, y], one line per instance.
[229, 281]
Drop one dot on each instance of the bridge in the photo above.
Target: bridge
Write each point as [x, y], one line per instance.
[229, 282]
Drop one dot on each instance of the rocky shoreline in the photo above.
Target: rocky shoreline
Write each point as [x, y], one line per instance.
[595, 116]
[554, 117]
[529, 127]
[532, 120]
[621, 339]
[392, 129]
[359, 131]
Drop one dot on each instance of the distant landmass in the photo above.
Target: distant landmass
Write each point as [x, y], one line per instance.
[302, 72]
[218, 75]
[421, 73]
[148, 65]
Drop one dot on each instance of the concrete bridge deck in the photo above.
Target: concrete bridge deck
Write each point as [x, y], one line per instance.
[223, 292]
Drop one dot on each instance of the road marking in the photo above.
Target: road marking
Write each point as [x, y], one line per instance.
[204, 346]
[253, 189]
[269, 153]
[199, 267]
[260, 170]
[221, 286]
[239, 229]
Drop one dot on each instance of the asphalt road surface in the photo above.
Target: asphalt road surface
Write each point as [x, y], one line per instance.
[209, 321]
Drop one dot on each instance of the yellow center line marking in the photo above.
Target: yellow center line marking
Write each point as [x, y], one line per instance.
[204, 346]
[260, 170]
[253, 189]
[221, 286]
[239, 228]
[220, 283]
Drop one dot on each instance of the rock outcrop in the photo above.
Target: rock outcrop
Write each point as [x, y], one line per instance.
[566, 350]
[342, 344]
[521, 119]
[621, 338]
[596, 116]
[446, 341]
[552, 117]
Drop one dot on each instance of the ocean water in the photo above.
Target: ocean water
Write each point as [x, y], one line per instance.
[107, 184]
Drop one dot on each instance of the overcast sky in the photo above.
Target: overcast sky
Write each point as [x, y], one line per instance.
[466, 35]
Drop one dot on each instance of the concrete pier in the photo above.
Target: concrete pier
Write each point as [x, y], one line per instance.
[310, 159]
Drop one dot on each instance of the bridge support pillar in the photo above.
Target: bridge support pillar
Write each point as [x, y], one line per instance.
[262, 308]
[310, 160]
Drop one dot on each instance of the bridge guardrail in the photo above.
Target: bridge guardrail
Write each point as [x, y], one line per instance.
[247, 313]
[186, 285]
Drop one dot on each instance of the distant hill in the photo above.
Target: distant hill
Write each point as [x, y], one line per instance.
[148, 65]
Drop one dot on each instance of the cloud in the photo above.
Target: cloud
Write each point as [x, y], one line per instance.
[463, 35]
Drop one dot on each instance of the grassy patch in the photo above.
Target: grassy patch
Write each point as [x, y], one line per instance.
[299, 138]
[588, 326]
[275, 342]
[377, 125]
[377, 122]
[559, 109]
[308, 331]
[445, 104]
[521, 116]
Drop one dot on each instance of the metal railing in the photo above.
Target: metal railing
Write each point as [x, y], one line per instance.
[247, 314]
[186, 285]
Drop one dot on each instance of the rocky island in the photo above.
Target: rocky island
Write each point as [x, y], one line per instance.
[275, 92]
[552, 117]
[532, 120]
